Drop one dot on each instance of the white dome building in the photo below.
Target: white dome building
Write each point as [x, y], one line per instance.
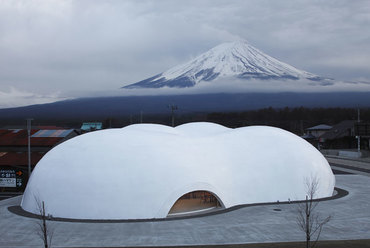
[141, 171]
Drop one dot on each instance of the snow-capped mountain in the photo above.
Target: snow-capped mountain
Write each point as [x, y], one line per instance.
[233, 59]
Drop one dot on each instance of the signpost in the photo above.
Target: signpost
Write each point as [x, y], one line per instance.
[362, 129]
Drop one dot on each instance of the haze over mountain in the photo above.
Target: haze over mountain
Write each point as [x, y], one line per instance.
[228, 61]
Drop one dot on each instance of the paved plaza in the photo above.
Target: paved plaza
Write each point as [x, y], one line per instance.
[253, 224]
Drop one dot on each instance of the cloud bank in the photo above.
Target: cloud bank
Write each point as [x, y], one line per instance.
[232, 85]
[17, 98]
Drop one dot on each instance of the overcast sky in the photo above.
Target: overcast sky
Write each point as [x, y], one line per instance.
[59, 49]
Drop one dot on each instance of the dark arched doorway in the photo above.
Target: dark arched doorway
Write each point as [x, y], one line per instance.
[195, 202]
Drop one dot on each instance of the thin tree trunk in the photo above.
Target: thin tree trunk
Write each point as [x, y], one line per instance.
[44, 227]
[307, 225]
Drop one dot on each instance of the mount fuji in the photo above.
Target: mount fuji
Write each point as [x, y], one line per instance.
[233, 76]
[232, 60]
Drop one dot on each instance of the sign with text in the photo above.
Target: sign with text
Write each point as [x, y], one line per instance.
[10, 178]
[8, 182]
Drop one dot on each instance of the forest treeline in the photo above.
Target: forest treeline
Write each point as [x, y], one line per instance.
[292, 119]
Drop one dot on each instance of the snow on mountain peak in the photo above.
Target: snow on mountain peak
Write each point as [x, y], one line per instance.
[232, 59]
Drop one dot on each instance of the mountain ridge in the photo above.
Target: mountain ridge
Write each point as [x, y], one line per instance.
[103, 107]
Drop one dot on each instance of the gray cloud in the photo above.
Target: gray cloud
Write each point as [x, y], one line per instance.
[14, 98]
[84, 47]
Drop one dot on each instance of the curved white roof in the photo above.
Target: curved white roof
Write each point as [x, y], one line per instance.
[141, 170]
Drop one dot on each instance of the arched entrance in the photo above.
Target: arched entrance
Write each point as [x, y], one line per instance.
[195, 202]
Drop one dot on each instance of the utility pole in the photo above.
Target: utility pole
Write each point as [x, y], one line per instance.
[29, 145]
[301, 126]
[173, 108]
[358, 135]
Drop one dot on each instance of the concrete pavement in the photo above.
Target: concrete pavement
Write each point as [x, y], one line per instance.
[258, 224]
[358, 166]
[6, 195]
[364, 164]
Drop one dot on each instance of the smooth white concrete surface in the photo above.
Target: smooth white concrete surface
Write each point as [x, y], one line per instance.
[350, 220]
[140, 171]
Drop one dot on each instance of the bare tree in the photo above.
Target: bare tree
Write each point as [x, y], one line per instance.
[309, 219]
[44, 231]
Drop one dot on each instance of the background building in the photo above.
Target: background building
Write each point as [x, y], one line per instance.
[14, 153]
